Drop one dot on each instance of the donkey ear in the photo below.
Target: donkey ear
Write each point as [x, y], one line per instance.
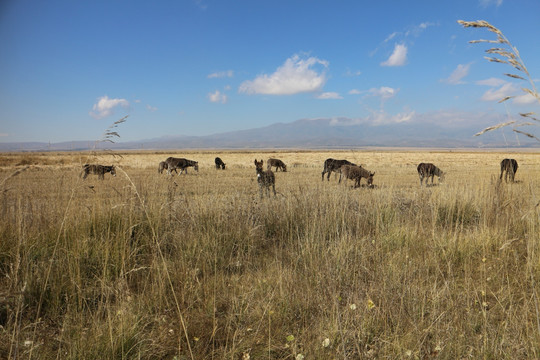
[255, 162]
[372, 174]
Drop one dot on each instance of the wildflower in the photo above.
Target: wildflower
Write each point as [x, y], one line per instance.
[370, 304]
[290, 338]
[245, 356]
[408, 353]
[299, 357]
[352, 306]
[484, 259]
[195, 339]
[326, 342]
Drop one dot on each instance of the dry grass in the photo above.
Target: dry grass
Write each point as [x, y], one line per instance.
[197, 266]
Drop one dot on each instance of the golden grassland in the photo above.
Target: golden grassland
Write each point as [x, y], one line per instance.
[197, 266]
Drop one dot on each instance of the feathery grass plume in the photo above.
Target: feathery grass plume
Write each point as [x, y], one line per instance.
[495, 127]
[508, 54]
[110, 134]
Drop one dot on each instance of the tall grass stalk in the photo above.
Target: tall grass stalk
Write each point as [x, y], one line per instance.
[505, 52]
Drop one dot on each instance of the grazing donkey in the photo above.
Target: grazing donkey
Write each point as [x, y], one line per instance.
[333, 165]
[180, 163]
[277, 163]
[98, 170]
[425, 170]
[356, 173]
[219, 163]
[510, 166]
[265, 178]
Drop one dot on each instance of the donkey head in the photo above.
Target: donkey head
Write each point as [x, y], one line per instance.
[196, 166]
[259, 164]
[370, 178]
[441, 176]
[113, 171]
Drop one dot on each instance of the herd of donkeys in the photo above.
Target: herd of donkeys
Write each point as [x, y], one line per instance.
[267, 179]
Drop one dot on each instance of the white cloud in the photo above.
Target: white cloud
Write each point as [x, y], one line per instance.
[329, 95]
[398, 57]
[486, 3]
[525, 99]
[496, 94]
[105, 106]
[383, 92]
[221, 74]
[355, 92]
[418, 29]
[492, 82]
[501, 89]
[151, 108]
[458, 74]
[217, 97]
[295, 76]
[350, 73]
[382, 117]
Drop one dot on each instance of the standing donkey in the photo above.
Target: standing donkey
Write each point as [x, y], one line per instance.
[180, 163]
[333, 165]
[99, 170]
[427, 170]
[510, 166]
[265, 178]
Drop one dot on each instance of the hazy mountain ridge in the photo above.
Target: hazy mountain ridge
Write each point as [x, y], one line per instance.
[307, 133]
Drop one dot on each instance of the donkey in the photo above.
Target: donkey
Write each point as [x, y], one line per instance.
[510, 166]
[333, 165]
[425, 170]
[277, 163]
[219, 163]
[356, 173]
[180, 163]
[265, 178]
[163, 166]
[98, 170]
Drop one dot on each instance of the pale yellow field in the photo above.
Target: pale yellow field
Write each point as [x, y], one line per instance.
[144, 265]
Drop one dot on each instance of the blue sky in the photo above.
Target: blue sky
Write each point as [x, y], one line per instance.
[68, 69]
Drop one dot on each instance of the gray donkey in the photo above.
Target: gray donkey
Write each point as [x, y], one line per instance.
[265, 178]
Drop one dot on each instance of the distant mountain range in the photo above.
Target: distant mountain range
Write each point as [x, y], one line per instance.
[335, 133]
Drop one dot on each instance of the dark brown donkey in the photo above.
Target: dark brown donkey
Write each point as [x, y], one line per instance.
[265, 178]
[356, 173]
[270, 163]
[510, 166]
[426, 170]
[219, 163]
[98, 170]
[333, 165]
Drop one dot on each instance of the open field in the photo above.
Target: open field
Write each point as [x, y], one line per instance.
[197, 266]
